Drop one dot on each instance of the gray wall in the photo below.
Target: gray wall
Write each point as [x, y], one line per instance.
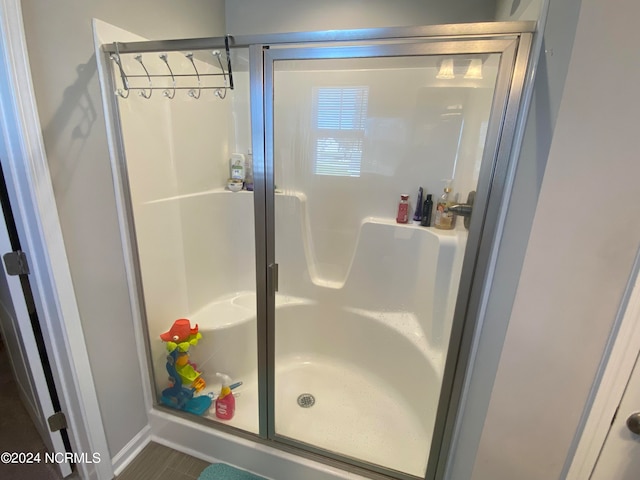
[63, 65]
[276, 16]
[578, 260]
[507, 10]
[541, 120]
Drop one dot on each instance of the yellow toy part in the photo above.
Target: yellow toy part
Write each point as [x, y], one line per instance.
[192, 340]
[181, 360]
[187, 373]
[199, 384]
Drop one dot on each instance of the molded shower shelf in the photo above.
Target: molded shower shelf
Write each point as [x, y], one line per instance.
[236, 309]
[223, 314]
[220, 190]
[456, 232]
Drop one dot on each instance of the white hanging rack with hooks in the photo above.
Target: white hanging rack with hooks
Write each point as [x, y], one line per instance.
[131, 81]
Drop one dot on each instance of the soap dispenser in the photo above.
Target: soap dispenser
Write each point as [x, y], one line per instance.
[444, 219]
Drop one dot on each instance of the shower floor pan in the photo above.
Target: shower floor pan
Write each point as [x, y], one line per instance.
[364, 406]
[353, 414]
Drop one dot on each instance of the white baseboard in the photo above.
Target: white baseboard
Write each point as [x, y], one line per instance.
[214, 445]
[131, 450]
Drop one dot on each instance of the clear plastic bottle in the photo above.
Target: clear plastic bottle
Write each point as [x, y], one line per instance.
[417, 216]
[403, 209]
[237, 166]
[248, 171]
[445, 220]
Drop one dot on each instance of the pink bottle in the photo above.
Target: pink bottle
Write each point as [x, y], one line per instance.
[403, 209]
[226, 402]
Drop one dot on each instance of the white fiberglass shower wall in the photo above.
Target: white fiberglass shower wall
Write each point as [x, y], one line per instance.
[359, 329]
[365, 304]
[195, 239]
[350, 137]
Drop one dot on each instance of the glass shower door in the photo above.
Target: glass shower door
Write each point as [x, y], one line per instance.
[193, 239]
[360, 325]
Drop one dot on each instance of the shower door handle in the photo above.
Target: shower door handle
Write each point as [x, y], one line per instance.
[273, 273]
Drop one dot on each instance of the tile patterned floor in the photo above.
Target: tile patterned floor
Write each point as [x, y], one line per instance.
[157, 462]
[18, 434]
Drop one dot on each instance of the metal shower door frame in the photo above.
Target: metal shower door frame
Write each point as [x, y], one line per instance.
[514, 50]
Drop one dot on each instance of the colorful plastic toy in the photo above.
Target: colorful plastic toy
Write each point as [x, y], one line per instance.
[184, 377]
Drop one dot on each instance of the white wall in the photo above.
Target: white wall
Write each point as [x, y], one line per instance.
[275, 16]
[63, 66]
[577, 262]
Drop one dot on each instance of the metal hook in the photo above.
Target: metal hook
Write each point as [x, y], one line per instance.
[163, 57]
[142, 92]
[125, 81]
[219, 91]
[192, 92]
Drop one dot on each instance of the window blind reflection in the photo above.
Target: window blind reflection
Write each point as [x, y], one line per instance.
[340, 115]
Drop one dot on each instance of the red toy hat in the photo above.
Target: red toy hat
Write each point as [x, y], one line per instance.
[179, 331]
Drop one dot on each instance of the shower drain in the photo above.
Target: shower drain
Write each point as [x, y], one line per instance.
[306, 400]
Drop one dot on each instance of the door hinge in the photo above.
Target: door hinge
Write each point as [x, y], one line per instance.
[16, 263]
[57, 422]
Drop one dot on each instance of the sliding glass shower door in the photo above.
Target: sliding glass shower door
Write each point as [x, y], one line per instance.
[360, 326]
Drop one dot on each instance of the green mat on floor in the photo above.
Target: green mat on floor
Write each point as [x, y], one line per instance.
[221, 471]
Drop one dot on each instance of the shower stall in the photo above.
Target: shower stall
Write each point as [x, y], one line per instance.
[348, 330]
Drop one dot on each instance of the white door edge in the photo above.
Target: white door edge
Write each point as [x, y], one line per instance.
[31, 194]
[31, 356]
[616, 366]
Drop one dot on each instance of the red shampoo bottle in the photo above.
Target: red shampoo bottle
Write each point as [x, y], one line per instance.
[403, 209]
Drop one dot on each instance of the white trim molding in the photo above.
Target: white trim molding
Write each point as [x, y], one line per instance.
[34, 207]
[131, 450]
